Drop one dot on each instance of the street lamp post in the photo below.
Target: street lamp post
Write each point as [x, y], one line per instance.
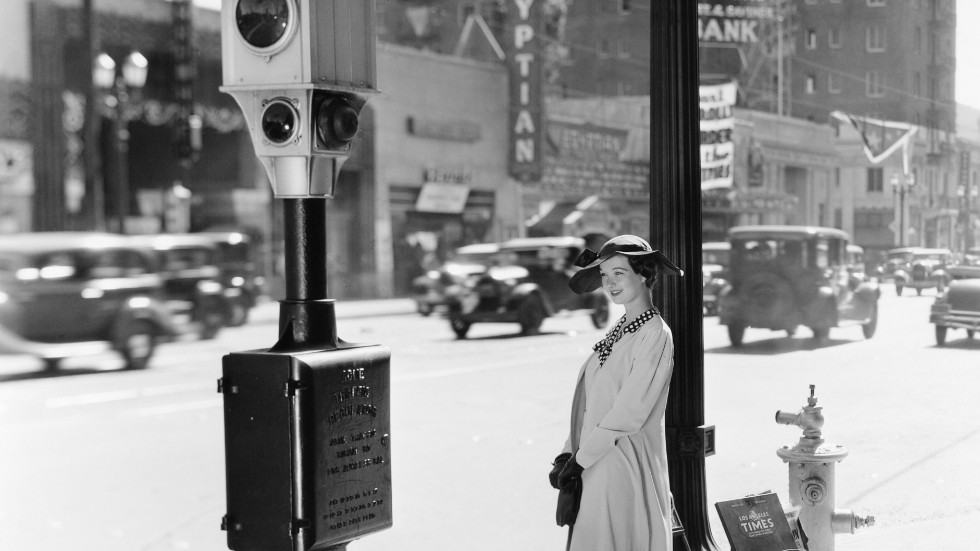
[967, 200]
[117, 88]
[901, 186]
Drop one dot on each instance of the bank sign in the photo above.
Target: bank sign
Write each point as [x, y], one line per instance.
[525, 63]
[733, 21]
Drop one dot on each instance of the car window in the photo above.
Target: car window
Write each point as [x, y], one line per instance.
[714, 257]
[183, 259]
[117, 263]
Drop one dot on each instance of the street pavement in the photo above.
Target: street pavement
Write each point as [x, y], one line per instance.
[929, 535]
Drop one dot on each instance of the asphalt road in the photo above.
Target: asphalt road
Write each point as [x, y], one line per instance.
[95, 458]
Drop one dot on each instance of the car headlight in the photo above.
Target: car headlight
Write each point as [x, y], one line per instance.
[4, 298]
[209, 287]
[238, 281]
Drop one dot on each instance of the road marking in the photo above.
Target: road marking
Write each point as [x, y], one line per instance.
[126, 394]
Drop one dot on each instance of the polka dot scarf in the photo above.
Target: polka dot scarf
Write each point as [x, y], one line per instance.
[605, 346]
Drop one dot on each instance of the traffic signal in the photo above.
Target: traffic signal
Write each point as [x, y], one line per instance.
[301, 71]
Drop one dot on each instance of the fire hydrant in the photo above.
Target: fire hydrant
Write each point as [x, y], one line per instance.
[812, 479]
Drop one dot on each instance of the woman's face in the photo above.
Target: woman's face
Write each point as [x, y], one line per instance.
[620, 281]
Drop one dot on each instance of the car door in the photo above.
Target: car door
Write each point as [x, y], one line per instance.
[115, 277]
[53, 306]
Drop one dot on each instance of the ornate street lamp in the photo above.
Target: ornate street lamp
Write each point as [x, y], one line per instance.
[901, 188]
[117, 87]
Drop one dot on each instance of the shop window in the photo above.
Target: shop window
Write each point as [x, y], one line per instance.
[876, 180]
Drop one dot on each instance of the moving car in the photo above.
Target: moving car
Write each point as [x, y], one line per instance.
[65, 294]
[714, 262]
[782, 277]
[924, 269]
[526, 283]
[430, 290]
[192, 289]
[959, 306]
[895, 259]
[238, 271]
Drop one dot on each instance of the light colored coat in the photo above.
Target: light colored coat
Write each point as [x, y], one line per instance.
[617, 434]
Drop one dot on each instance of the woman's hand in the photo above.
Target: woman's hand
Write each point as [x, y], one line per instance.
[571, 472]
[558, 465]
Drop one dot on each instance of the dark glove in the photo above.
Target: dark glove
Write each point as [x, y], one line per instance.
[571, 472]
[558, 464]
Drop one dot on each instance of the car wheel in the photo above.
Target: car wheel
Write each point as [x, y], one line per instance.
[941, 334]
[212, 323]
[531, 315]
[871, 326]
[898, 290]
[736, 332]
[237, 313]
[600, 315]
[969, 333]
[425, 309]
[918, 291]
[820, 333]
[459, 325]
[51, 364]
[791, 331]
[137, 344]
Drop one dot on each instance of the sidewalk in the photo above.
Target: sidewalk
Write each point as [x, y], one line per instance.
[267, 311]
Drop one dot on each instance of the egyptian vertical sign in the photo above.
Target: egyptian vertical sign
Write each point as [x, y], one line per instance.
[525, 63]
[717, 124]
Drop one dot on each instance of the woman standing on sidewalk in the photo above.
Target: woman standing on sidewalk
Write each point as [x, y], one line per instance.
[616, 447]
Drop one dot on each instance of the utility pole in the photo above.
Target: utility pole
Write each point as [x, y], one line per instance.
[675, 227]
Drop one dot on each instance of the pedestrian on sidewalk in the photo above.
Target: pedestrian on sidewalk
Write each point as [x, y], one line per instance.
[614, 462]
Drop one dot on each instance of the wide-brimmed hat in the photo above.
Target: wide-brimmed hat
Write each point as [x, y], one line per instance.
[589, 279]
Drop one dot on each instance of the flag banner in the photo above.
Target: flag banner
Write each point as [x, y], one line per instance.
[881, 138]
[717, 124]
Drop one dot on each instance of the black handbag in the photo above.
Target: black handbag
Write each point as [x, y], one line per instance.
[568, 502]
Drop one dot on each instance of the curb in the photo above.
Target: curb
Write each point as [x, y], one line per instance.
[267, 311]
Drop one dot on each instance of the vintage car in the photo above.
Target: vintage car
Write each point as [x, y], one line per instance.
[895, 259]
[192, 287]
[527, 282]
[714, 262]
[926, 268]
[238, 270]
[67, 294]
[782, 277]
[430, 290]
[959, 306]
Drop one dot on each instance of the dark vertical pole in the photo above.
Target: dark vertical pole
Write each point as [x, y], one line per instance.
[675, 227]
[94, 192]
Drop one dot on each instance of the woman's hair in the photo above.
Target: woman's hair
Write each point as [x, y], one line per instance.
[646, 267]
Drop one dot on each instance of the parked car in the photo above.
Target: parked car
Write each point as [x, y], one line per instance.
[926, 268]
[430, 290]
[238, 271]
[959, 306]
[714, 262]
[192, 286]
[782, 277]
[66, 294]
[527, 283]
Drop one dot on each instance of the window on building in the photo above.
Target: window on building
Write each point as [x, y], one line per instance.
[811, 84]
[624, 6]
[838, 218]
[811, 39]
[873, 85]
[917, 40]
[622, 51]
[834, 38]
[917, 84]
[877, 3]
[876, 179]
[875, 38]
[833, 83]
[603, 49]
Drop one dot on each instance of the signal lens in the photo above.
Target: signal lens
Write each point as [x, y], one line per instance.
[336, 122]
[279, 121]
[262, 23]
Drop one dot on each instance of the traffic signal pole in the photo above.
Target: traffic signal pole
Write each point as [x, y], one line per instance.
[307, 421]
[675, 227]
